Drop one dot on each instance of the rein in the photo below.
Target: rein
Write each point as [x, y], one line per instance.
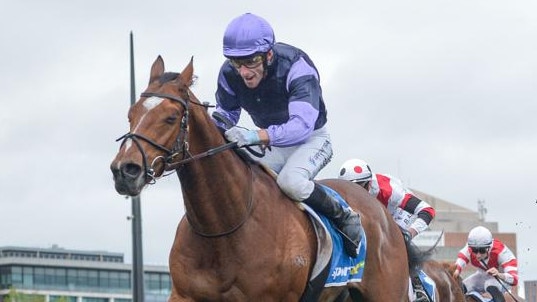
[499, 280]
[169, 166]
[176, 165]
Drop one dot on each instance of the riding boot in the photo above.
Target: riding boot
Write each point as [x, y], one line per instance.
[496, 294]
[345, 219]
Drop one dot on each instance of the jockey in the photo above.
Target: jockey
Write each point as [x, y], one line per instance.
[496, 265]
[278, 86]
[412, 214]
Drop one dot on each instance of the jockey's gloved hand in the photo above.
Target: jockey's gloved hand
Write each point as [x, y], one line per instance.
[243, 136]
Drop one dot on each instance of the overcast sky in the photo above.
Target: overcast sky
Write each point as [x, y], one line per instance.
[441, 94]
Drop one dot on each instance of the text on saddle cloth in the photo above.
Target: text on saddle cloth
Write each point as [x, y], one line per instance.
[343, 268]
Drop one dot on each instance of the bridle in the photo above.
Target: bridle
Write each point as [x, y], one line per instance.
[181, 146]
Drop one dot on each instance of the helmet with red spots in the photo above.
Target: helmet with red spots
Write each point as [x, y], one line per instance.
[355, 170]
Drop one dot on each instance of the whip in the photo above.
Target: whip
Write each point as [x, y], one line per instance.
[499, 280]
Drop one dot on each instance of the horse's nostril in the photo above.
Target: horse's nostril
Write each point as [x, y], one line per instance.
[115, 171]
[131, 170]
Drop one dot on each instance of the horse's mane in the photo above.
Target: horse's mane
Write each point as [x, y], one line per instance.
[449, 266]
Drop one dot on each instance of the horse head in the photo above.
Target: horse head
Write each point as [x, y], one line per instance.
[158, 129]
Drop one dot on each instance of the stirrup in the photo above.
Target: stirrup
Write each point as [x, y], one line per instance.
[421, 296]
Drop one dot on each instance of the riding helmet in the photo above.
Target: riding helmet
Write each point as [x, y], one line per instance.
[479, 237]
[355, 170]
[247, 35]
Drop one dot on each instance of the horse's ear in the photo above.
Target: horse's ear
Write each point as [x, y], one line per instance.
[188, 73]
[157, 69]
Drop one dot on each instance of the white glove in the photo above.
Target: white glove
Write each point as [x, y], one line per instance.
[243, 136]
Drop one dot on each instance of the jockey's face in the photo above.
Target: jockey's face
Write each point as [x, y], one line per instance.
[480, 252]
[252, 70]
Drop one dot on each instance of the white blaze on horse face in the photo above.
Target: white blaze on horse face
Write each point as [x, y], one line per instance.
[149, 104]
[152, 102]
[128, 144]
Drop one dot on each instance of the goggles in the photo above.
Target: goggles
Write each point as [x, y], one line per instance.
[479, 250]
[250, 62]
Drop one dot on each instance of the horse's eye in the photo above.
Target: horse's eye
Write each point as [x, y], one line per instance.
[171, 119]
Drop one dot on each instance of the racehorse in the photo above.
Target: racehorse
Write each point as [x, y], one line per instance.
[448, 289]
[474, 296]
[241, 238]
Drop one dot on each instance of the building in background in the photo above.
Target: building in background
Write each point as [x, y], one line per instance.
[58, 274]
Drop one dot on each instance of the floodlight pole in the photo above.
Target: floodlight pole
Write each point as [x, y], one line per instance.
[137, 258]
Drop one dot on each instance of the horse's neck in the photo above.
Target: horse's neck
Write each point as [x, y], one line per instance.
[217, 190]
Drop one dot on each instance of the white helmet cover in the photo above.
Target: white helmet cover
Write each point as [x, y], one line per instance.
[355, 170]
[479, 237]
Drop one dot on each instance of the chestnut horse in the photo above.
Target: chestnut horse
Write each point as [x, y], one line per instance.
[447, 288]
[470, 297]
[241, 238]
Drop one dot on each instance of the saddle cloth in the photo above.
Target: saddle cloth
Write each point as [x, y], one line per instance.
[343, 268]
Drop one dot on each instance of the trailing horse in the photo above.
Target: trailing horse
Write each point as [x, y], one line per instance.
[448, 289]
[241, 238]
[474, 296]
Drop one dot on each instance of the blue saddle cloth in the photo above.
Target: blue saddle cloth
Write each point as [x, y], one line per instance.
[343, 268]
[428, 285]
